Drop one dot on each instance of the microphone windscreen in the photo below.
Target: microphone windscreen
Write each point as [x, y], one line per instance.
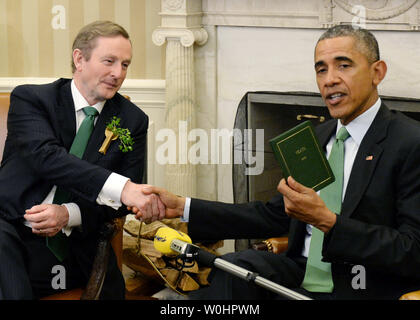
[164, 237]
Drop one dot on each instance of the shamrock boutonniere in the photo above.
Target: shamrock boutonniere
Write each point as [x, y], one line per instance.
[114, 132]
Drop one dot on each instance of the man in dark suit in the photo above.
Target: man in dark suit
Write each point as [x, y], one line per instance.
[372, 245]
[42, 125]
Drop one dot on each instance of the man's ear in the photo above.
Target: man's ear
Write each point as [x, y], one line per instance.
[77, 58]
[379, 68]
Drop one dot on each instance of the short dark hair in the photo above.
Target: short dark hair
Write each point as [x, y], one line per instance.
[365, 40]
[85, 40]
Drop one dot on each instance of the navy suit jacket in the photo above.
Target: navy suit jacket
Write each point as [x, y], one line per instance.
[379, 225]
[41, 128]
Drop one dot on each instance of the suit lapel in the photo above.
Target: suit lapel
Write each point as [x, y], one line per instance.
[325, 133]
[365, 162]
[92, 153]
[66, 115]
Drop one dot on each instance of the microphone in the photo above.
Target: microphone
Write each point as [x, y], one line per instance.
[170, 242]
[177, 244]
[173, 243]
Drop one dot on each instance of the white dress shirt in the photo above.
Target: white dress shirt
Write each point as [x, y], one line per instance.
[357, 130]
[110, 195]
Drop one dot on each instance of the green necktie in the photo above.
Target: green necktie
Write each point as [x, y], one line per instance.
[318, 277]
[58, 244]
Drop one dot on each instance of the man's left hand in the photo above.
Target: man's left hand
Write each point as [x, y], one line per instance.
[47, 219]
[306, 205]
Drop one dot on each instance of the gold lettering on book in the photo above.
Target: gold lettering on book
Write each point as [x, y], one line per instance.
[300, 150]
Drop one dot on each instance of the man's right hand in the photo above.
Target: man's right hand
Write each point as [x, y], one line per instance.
[150, 207]
[173, 203]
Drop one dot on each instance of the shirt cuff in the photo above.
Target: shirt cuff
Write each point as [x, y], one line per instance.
[186, 215]
[75, 218]
[110, 194]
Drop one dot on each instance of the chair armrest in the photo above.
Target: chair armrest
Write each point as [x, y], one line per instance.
[100, 263]
[275, 245]
[414, 295]
[117, 240]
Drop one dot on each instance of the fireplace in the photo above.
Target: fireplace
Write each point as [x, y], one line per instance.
[276, 112]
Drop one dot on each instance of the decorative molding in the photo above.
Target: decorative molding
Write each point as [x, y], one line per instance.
[143, 92]
[172, 5]
[187, 37]
[416, 27]
[281, 19]
[181, 20]
[378, 12]
[327, 13]
[8, 84]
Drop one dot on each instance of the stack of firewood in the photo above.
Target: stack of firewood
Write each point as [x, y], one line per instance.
[140, 255]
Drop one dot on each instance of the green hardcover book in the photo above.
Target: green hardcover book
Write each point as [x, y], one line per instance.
[300, 156]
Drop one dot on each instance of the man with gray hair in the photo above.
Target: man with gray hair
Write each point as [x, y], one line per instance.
[58, 185]
[368, 219]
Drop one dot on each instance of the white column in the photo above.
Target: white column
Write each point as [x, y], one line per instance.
[180, 29]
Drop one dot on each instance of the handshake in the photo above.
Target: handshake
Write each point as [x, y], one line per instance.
[147, 202]
[150, 203]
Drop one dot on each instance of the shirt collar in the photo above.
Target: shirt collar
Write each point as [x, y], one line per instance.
[80, 102]
[358, 127]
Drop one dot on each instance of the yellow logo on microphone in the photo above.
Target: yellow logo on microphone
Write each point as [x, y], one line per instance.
[163, 238]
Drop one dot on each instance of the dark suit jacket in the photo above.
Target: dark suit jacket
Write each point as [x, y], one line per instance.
[379, 226]
[41, 128]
